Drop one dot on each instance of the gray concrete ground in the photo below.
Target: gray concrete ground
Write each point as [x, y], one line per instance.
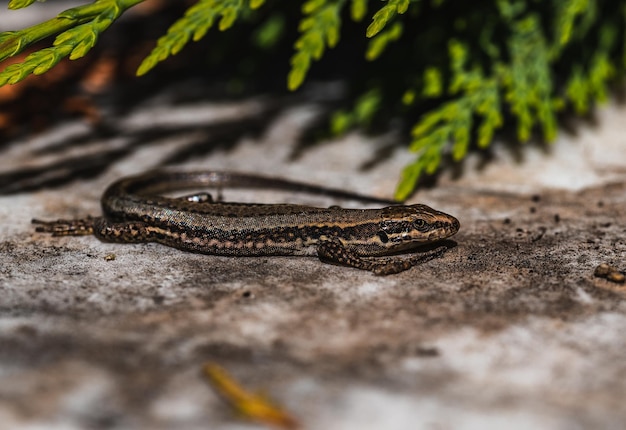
[510, 328]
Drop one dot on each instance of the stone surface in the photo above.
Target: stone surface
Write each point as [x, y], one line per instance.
[509, 328]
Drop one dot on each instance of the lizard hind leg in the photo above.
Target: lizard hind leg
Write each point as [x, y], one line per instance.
[65, 227]
[103, 229]
[125, 232]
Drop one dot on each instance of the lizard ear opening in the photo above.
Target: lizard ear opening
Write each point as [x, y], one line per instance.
[383, 237]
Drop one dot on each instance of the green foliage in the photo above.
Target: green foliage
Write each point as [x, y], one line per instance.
[270, 32]
[19, 4]
[379, 42]
[386, 14]
[588, 82]
[358, 9]
[320, 28]
[456, 71]
[433, 81]
[521, 76]
[361, 115]
[566, 13]
[194, 25]
[453, 121]
[77, 31]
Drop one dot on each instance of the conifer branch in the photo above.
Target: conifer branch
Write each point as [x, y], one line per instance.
[320, 29]
[194, 25]
[523, 57]
[77, 31]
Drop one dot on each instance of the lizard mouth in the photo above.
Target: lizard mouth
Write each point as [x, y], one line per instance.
[456, 225]
[445, 229]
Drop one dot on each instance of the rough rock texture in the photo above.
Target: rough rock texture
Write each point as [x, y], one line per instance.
[510, 328]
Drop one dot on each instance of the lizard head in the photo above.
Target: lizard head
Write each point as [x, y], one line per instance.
[404, 227]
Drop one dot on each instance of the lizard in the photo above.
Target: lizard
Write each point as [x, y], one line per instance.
[135, 210]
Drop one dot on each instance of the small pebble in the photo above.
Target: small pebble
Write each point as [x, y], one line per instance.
[617, 277]
[602, 270]
[610, 273]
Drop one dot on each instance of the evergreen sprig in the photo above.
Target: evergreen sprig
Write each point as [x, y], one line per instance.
[320, 29]
[521, 77]
[459, 71]
[194, 25]
[77, 31]
[476, 95]
[386, 14]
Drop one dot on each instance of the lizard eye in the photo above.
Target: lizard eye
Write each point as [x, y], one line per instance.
[419, 224]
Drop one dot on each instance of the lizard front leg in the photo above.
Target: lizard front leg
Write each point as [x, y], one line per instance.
[333, 251]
